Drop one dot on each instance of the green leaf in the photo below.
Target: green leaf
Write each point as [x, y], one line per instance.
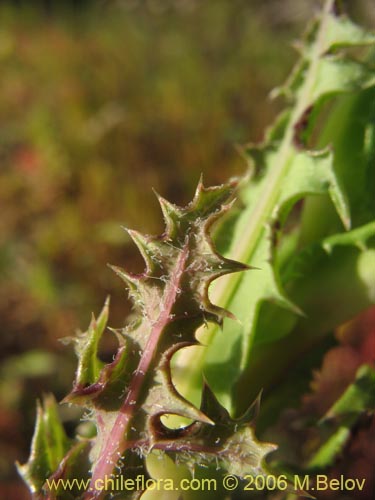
[281, 174]
[342, 32]
[131, 395]
[358, 398]
[86, 348]
[317, 280]
[349, 128]
[229, 444]
[337, 74]
[267, 316]
[48, 447]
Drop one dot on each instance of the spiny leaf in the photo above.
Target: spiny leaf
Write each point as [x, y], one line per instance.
[229, 443]
[349, 129]
[129, 398]
[282, 174]
[171, 297]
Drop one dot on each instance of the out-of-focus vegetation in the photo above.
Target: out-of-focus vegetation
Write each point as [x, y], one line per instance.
[98, 105]
[96, 111]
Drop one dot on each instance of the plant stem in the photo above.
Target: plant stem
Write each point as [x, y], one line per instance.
[115, 443]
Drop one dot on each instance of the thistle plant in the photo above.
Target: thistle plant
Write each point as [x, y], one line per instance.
[246, 280]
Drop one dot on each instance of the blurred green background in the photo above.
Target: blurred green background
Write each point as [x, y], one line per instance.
[100, 102]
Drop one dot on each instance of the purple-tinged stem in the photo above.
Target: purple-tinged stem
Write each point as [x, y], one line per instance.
[116, 443]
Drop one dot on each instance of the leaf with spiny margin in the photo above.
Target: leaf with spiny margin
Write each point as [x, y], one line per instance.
[241, 453]
[227, 443]
[318, 276]
[358, 398]
[307, 174]
[282, 173]
[48, 448]
[334, 72]
[171, 299]
[349, 129]
[172, 292]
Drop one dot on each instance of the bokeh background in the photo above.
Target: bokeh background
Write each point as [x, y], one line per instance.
[101, 101]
